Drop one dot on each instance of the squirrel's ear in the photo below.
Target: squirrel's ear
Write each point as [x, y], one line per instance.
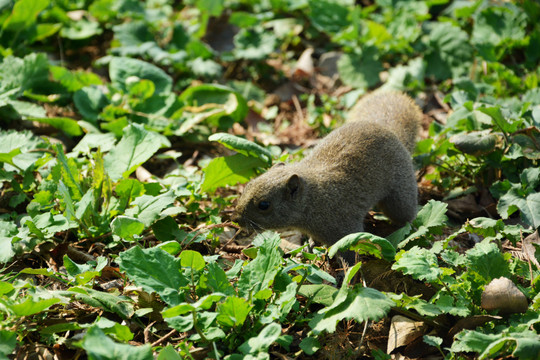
[293, 188]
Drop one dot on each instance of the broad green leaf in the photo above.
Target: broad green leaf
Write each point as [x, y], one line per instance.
[432, 340]
[8, 157]
[475, 143]
[329, 17]
[358, 303]
[121, 68]
[8, 341]
[81, 29]
[365, 243]
[260, 343]
[24, 14]
[423, 307]
[74, 80]
[230, 170]
[22, 74]
[497, 24]
[120, 305]
[169, 353]
[155, 271]
[31, 306]
[487, 260]
[259, 273]
[233, 311]
[99, 346]
[429, 220]
[90, 101]
[242, 146]
[204, 303]
[24, 141]
[192, 259]
[167, 229]
[5, 287]
[319, 294]
[529, 205]
[109, 327]
[136, 146]
[219, 102]
[449, 53]
[254, 44]
[215, 279]
[473, 341]
[126, 227]
[360, 71]
[420, 263]
[310, 345]
[148, 208]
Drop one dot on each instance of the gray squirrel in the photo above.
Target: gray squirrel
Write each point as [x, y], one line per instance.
[327, 194]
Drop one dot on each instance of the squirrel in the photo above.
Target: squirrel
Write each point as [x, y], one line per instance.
[327, 194]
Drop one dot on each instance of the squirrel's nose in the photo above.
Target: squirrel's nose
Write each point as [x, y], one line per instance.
[237, 218]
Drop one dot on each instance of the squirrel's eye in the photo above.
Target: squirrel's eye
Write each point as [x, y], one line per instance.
[264, 205]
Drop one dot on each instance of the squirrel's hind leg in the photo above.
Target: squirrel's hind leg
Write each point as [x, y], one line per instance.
[401, 204]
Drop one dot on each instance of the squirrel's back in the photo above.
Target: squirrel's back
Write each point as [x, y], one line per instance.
[393, 110]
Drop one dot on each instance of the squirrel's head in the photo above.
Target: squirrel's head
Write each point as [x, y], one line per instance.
[271, 201]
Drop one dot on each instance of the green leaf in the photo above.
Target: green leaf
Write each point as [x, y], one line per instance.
[329, 17]
[22, 74]
[259, 273]
[449, 53]
[70, 175]
[24, 14]
[31, 306]
[420, 263]
[121, 68]
[8, 157]
[319, 294]
[136, 146]
[358, 303]
[429, 220]
[310, 345]
[148, 208]
[155, 271]
[242, 146]
[262, 341]
[90, 101]
[254, 44]
[432, 340]
[120, 305]
[167, 229]
[168, 353]
[365, 243]
[81, 29]
[475, 143]
[233, 311]
[487, 260]
[99, 346]
[192, 259]
[529, 205]
[230, 170]
[8, 341]
[126, 227]
[74, 80]
[214, 104]
[360, 71]
[216, 280]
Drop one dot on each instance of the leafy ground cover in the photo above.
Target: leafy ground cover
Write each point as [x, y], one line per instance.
[129, 127]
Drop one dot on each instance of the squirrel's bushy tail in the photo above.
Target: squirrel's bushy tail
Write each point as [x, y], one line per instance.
[392, 109]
